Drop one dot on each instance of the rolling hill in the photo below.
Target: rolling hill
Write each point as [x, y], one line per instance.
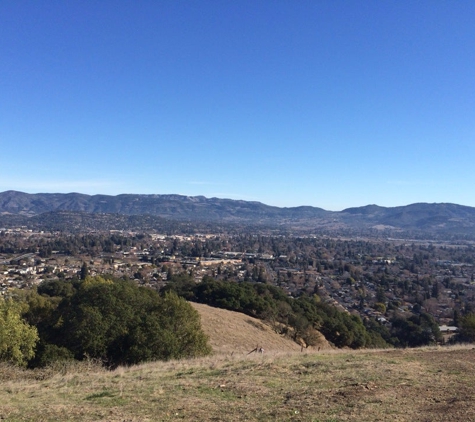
[441, 219]
[233, 332]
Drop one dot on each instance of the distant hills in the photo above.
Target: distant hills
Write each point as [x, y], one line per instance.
[166, 206]
[434, 219]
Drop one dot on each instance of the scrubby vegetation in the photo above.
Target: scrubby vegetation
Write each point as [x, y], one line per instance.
[300, 317]
[119, 323]
[113, 321]
[17, 338]
[428, 384]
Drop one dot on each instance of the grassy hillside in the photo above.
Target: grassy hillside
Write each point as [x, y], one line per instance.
[431, 384]
[396, 385]
[232, 332]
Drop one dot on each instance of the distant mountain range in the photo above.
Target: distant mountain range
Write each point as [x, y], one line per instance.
[440, 219]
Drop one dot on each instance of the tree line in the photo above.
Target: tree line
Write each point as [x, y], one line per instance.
[120, 323]
[106, 319]
[301, 316]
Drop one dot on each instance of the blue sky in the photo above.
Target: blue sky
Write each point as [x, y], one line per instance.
[326, 103]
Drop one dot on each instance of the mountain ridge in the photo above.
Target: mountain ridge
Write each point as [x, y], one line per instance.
[444, 218]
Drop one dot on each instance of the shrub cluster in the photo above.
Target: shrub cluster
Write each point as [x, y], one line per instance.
[114, 321]
[300, 317]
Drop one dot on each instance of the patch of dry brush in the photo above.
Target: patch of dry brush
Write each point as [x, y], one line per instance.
[430, 384]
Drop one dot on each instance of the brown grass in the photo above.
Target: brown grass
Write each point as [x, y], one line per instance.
[233, 332]
[430, 384]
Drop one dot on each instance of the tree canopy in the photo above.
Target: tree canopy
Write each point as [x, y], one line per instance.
[114, 321]
[17, 338]
[467, 328]
[300, 315]
[121, 323]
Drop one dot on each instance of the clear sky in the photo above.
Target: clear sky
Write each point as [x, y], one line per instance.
[326, 103]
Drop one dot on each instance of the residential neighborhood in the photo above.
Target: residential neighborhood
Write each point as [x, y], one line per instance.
[372, 278]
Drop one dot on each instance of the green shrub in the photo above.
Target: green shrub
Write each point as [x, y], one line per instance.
[121, 324]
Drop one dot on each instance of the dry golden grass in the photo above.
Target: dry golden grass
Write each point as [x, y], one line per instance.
[233, 332]
[430, 384]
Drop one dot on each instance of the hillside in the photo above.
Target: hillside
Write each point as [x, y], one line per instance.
[233, 332]
[436, 384]
[284, 383]
[53, 211]
[177, 207]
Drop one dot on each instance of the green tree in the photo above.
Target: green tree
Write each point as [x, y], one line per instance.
[57, 288]
[181, 326]
[84, 271]
[467, 328]
[122, 323]
[47, 354]
[380, 295]
[415, 331]
[17, 338]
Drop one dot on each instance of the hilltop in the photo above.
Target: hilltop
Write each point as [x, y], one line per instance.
[283, 383]
[432, 384]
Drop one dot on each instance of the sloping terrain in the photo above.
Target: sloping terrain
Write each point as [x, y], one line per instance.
[421, 216]
[433, 219]
[232, 332]
[167, 206]
[435, 384]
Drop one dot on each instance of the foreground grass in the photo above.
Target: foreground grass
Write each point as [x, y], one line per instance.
[431, 384]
